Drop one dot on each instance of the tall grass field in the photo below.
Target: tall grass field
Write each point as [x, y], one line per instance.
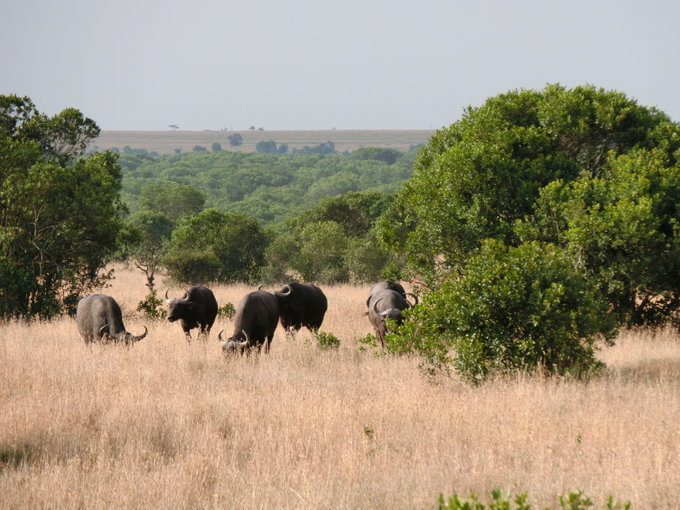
[173, 425]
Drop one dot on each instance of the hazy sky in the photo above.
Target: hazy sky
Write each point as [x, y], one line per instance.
[315, 64]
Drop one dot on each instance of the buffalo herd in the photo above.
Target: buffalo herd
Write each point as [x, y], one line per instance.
[257, 315]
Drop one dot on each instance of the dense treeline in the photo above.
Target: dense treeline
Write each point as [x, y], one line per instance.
[268, 187]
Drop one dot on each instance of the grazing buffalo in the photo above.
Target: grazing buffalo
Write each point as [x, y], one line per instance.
[395, 286]
[196, 309]
[257, 315]
[301, 304]
[99, 319]
[382, 305]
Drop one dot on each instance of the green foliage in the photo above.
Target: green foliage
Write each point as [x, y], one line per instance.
[510, 308]
[270, 147]
[501, 501]
[227, 311]
[389, 156]
[213, 246]
[323, 148]
[321, 253]
[327, 340]
[349, 248]
[475, 178]
[624, 228]
[171, 199]
[152, 306]
[268, 187]
[369, 340]
[576, 500]
[216, 147]
[59, 214]
[148, 232]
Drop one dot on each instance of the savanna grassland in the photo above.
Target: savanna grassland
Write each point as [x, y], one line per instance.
[165, 142]
[166, 424]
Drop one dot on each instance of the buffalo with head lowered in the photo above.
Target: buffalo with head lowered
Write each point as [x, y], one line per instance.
[257, 316]
[99, 319]
[387, 300]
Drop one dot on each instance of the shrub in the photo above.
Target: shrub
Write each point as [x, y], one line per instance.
[368, 340]
[227, 311]
[327, 340]
[510, 309]
[152, 307]
[504, 501]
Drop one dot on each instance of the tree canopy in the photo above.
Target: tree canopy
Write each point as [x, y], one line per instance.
[477, 177]
[59, 213]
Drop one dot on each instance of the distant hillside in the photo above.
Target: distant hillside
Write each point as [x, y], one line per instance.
[166, 142]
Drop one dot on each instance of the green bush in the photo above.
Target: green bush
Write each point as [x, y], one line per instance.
[504, 501]
[227, 311]
[152, 307]
[327, 340]
[510, 309]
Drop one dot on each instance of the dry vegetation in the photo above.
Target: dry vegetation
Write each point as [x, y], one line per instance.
[166, 424]
[165, 142]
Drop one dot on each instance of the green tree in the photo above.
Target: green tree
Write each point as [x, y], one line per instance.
[475, 178]
[322, 251]
[235, 139]
[270, 147]
[59, 213]
[623, 227]
[389, 156]
[214, 246]
[171, 199]
[152, 232]
[216, 147]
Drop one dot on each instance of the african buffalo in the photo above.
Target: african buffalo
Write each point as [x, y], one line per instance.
[196, 309]
[257, 315]
[301, 304]
[99, 319]
[391, 285]
[382, 305]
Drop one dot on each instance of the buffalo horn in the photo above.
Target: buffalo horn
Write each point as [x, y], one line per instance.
[415, 298]
[286, 290]
[139, 337]
[166, 295]
[247, 342]
[375, 306]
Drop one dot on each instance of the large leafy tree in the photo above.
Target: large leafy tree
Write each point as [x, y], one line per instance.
[475, 178]
[59, 212]
[623, 229]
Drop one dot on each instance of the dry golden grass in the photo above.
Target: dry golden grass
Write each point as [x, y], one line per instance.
[165, 142]
[166, 424]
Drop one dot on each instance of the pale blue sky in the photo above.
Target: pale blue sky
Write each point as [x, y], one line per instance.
[305, 64]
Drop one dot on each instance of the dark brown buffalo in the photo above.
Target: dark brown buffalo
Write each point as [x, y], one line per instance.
[257, 316]
[301, 304]
[99, 319]
[196, 309]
